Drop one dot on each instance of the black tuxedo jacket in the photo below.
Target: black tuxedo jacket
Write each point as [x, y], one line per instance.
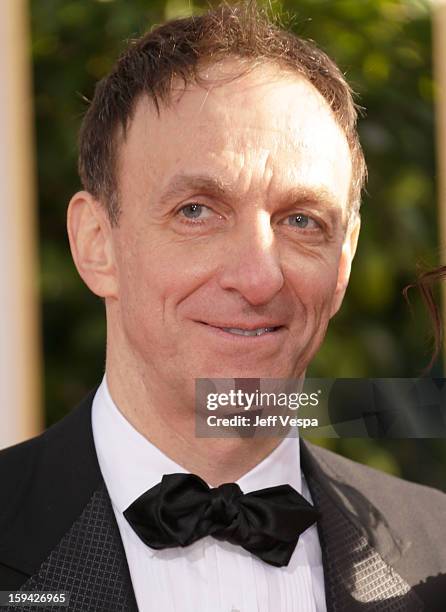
[383, 539]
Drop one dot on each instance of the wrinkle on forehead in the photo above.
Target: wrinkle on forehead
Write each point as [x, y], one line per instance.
[262, 128]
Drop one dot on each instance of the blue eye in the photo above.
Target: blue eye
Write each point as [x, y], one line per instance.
[302, 221]
[192, 211]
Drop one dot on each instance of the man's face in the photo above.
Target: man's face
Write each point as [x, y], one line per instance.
[231, 250]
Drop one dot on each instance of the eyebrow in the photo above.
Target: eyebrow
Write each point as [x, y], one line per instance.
[215, 186]
[183, 183]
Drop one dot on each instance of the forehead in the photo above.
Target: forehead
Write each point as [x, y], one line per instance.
[266, 126]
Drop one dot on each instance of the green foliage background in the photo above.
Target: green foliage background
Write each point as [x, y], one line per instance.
[384, 47]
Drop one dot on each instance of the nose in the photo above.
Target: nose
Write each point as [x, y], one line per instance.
[252, 264]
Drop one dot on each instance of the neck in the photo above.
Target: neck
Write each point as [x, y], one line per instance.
[169, 424]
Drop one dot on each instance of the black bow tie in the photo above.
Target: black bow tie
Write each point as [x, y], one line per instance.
[182, 508]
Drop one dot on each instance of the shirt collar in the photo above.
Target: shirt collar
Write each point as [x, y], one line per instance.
[131, 465]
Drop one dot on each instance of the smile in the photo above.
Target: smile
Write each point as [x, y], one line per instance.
[245, 330]
[249, 332]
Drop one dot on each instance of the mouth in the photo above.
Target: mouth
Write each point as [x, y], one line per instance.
[259, 331]
[252, 332]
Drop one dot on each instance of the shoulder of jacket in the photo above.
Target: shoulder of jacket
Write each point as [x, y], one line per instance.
[17, 465]
[379, 485]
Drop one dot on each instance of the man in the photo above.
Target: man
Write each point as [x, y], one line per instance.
[222, 175]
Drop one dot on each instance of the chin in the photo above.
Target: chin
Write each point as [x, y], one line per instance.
[272, 370]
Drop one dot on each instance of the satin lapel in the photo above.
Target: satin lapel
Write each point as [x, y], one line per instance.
[357, 578]
[89, 563]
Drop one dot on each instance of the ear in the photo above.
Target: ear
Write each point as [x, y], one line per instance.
[345, 262]
[90, 236]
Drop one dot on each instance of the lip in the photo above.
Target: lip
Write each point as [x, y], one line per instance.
[268, 337]
[243, 326]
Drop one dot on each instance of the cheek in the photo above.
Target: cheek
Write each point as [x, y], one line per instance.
[137, 289]
[155, 277]
[314, 282]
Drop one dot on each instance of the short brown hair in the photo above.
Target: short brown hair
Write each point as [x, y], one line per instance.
[178, 49]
